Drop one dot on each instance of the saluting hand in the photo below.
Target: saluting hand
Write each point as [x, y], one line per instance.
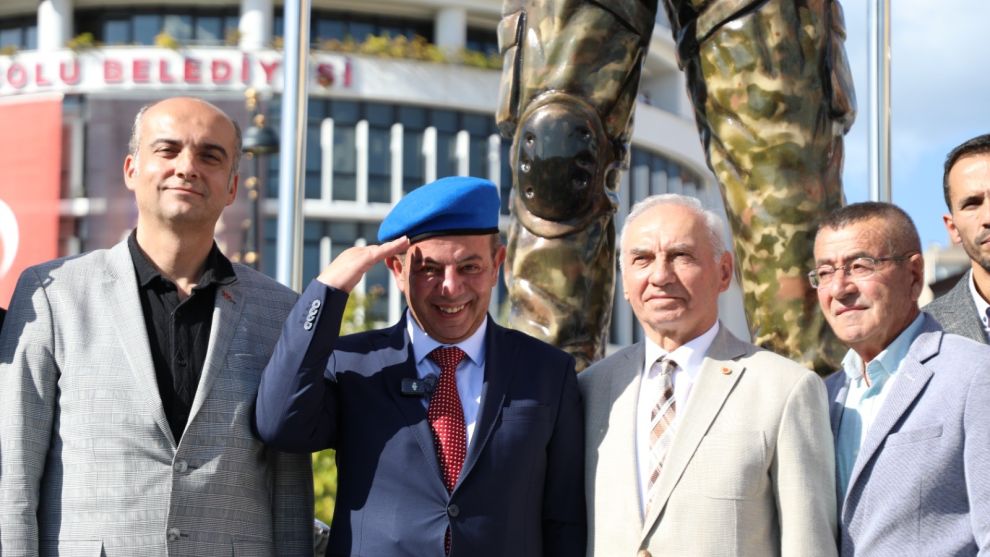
[344, 272]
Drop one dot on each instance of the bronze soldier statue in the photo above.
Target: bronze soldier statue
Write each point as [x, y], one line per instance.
[773, 98]
[569, 82]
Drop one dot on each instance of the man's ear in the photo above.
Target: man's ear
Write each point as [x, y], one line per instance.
[395, 264]
[950, 227]
[916, 266]
[724, 271]
[232, 188]
[130, 170]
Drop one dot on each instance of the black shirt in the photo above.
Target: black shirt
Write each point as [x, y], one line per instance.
[178, 331]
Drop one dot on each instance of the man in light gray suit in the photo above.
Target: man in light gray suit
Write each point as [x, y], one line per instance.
[698, 443]
[965, 310]
[910, 409]
[128, 376]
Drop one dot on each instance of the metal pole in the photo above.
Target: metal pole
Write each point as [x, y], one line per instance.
[292, 161]
[879, 102]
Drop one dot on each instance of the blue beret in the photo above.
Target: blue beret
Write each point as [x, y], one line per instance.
[457, 205]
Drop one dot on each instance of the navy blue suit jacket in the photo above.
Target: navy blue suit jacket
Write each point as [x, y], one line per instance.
[520, 492]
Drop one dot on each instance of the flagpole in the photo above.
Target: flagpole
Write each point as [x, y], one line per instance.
[879, 100]
[292, 158]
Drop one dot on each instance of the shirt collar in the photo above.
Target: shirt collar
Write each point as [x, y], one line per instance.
[688, 356]
[423, 344]
[887, 362]
[982, 307]
[217, 269]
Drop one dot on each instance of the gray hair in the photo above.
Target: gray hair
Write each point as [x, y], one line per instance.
[134, 143]
[713, 223]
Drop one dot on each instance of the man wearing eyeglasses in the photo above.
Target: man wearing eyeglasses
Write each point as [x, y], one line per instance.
[910, 409]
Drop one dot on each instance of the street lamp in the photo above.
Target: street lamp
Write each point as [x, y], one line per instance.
[259, 140]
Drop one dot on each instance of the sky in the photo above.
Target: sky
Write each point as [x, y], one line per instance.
[940, 97]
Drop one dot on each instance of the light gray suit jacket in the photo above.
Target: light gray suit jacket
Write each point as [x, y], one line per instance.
[956, 311]
[750, 471]
[88, 464]
[920, 484]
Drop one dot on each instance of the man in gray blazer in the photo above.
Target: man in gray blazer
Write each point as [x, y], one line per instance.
[128, 376]
[965, 310]
[698, 443]
[910, 409]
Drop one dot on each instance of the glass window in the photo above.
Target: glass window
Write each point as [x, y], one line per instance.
[19, 33]
[482, 40]
[146, 27]
[412, 159]
[209, 30]
[141, 25]
[344, 164]
[412, 117]
[116, 31]
[179, 26]
[379, 165]
[31, 37]
[327, 29]
[344, 112]
[381, 115]
[445, 120]
[10, 37]
[478, 156]
[360, 31]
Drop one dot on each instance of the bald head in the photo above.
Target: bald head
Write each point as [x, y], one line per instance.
[180, 104]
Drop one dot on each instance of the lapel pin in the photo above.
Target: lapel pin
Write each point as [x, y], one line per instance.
[227, 296]
[726, 371]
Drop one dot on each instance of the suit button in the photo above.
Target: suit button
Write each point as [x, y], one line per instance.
[180, 466]
[453, 510]
[173, 534]
[644, 553]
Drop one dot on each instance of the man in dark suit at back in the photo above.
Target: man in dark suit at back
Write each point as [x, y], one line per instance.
[453, 435]
[965, 310]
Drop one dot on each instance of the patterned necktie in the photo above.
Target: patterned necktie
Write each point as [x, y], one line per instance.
[446, 415]
[661, 421]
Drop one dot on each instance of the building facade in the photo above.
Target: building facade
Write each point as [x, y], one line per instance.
[400, 92]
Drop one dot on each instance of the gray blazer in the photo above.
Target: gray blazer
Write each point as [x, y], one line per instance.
[920, 484]
[750, 471]
[956, 312]
[88, 464]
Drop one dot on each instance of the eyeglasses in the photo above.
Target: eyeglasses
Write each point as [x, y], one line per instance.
[857, 269]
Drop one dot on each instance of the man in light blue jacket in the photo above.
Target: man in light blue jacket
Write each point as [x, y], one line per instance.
[910, 409]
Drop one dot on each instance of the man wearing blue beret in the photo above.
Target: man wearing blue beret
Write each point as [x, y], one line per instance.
[454, 436]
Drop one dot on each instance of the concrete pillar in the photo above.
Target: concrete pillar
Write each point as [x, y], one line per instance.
[450, 29]
[256, 24]
[54, 24]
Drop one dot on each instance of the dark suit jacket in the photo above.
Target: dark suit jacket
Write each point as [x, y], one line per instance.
[956, 312]
[521, 488]
[919, 485]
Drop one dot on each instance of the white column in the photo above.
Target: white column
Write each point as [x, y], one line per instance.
[395, 173]
[462, 152]
[255, 26]
[429, 155]
[361, 161]
[495, 160]
[54, 24]
[450, 29]
[326, 154]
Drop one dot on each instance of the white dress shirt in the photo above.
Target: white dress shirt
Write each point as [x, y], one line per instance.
[689, 357]
[470, 373]
[982, 307]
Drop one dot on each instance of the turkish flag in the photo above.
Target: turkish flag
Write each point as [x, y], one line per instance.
[30, 185]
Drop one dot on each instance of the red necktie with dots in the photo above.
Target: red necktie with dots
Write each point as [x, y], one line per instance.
[446, 417]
